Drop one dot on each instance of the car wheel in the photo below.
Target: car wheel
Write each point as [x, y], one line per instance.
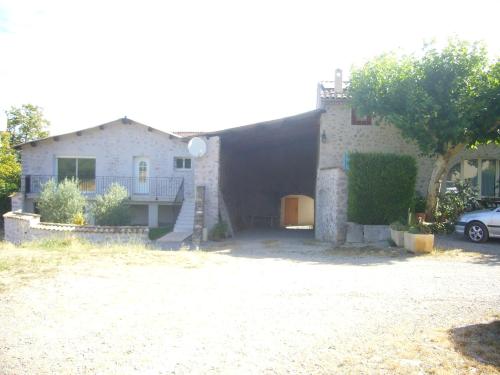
[477, 232]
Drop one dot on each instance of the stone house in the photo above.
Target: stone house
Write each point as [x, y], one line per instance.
[280, 173]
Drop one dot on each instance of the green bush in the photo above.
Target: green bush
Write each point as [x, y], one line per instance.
[381, 187]
[155, 233]
[419, 203]
[452, 204]
[112, 208]
[61, 203]
[219, 231]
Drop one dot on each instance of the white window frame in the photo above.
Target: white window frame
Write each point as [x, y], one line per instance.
[183, 163]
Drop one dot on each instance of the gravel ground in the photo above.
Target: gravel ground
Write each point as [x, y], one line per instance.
[254, 305]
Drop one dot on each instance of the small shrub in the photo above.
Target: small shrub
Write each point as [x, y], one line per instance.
[452, 204]
[155, 233]
[79, 219]
[219, 231]
[381, 187]
[398, 226]
[112, 208]
[420, 228]
[61, 203]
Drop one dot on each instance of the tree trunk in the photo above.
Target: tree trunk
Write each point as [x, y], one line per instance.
[440, 167]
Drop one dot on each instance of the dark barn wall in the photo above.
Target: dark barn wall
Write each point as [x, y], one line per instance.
[260, 166]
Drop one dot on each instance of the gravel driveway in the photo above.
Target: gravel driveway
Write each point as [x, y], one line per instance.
[271, 306]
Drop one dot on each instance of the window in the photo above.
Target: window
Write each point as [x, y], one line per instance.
[143, 171]
[484, 174]
[470, 172]
[182, 163]
[488, 179]
[453, 176]
[355, 120]
[82, 169]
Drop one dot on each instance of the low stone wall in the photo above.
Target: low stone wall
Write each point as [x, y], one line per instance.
[358, 233]
[23, 227]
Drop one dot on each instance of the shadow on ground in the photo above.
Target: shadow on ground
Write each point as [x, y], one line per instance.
[480, 342]
[490, 251]
[300, 246]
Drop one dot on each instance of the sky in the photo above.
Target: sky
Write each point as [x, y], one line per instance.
[206, 65]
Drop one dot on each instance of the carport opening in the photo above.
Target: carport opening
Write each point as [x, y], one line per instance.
[297, 212]
[265, 166]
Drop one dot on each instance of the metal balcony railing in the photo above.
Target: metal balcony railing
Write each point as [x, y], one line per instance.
[159, 188]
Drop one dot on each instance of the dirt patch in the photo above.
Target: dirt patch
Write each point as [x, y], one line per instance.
[244, 307]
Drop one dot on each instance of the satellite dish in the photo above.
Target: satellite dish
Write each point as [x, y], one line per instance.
[197, 147]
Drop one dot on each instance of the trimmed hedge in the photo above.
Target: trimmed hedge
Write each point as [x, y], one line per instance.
[381, 187]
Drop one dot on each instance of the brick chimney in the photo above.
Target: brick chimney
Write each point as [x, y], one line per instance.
[338, 82]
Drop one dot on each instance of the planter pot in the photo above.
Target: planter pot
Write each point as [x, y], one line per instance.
[419, 243]
[398, 237]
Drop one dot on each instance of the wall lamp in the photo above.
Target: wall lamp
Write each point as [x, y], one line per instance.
[323, 137]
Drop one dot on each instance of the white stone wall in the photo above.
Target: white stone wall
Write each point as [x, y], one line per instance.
[207, 174]
[114, 148]
[24, 227]
[331, 205]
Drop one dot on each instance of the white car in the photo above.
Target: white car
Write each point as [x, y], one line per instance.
[478, 226]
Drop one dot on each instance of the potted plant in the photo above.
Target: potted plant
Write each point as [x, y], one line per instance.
[419, 238]
[397, 233]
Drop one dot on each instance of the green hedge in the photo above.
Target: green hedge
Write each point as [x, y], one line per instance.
[381, 187]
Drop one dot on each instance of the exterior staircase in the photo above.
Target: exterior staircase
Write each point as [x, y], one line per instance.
[184, 224]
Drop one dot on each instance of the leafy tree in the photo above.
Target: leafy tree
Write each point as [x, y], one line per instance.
[61, 203]
[10, 171]
[26, 124]
[112, 208]
[444, 100]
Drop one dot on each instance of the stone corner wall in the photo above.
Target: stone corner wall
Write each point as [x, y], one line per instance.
[331, 205]
[24, 227]
[206, 173]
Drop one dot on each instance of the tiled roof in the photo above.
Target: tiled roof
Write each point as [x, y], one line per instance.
[327, 91]
[188, 134]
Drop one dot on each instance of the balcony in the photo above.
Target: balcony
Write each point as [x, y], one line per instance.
[167, 189]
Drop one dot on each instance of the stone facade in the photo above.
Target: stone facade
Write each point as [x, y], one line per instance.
[206, 173]
[17, 201]
[331, 205]
[114, 146]
[339, 137]
[24, 227]
[342, 137]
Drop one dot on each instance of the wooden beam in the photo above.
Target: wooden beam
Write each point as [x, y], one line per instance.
[101, 127]
[79, 133]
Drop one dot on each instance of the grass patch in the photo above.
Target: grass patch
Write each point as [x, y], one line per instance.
[19, 265]
[155, 233]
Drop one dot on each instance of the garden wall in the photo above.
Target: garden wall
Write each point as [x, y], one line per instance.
[23, 227]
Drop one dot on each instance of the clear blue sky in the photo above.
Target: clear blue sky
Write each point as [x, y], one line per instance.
[206, 65]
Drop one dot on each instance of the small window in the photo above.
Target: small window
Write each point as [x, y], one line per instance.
[355, 120]
[182, 163]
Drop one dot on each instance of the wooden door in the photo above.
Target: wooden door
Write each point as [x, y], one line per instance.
[291, 211]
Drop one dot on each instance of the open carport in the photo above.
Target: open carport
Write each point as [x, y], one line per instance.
[268, 172]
